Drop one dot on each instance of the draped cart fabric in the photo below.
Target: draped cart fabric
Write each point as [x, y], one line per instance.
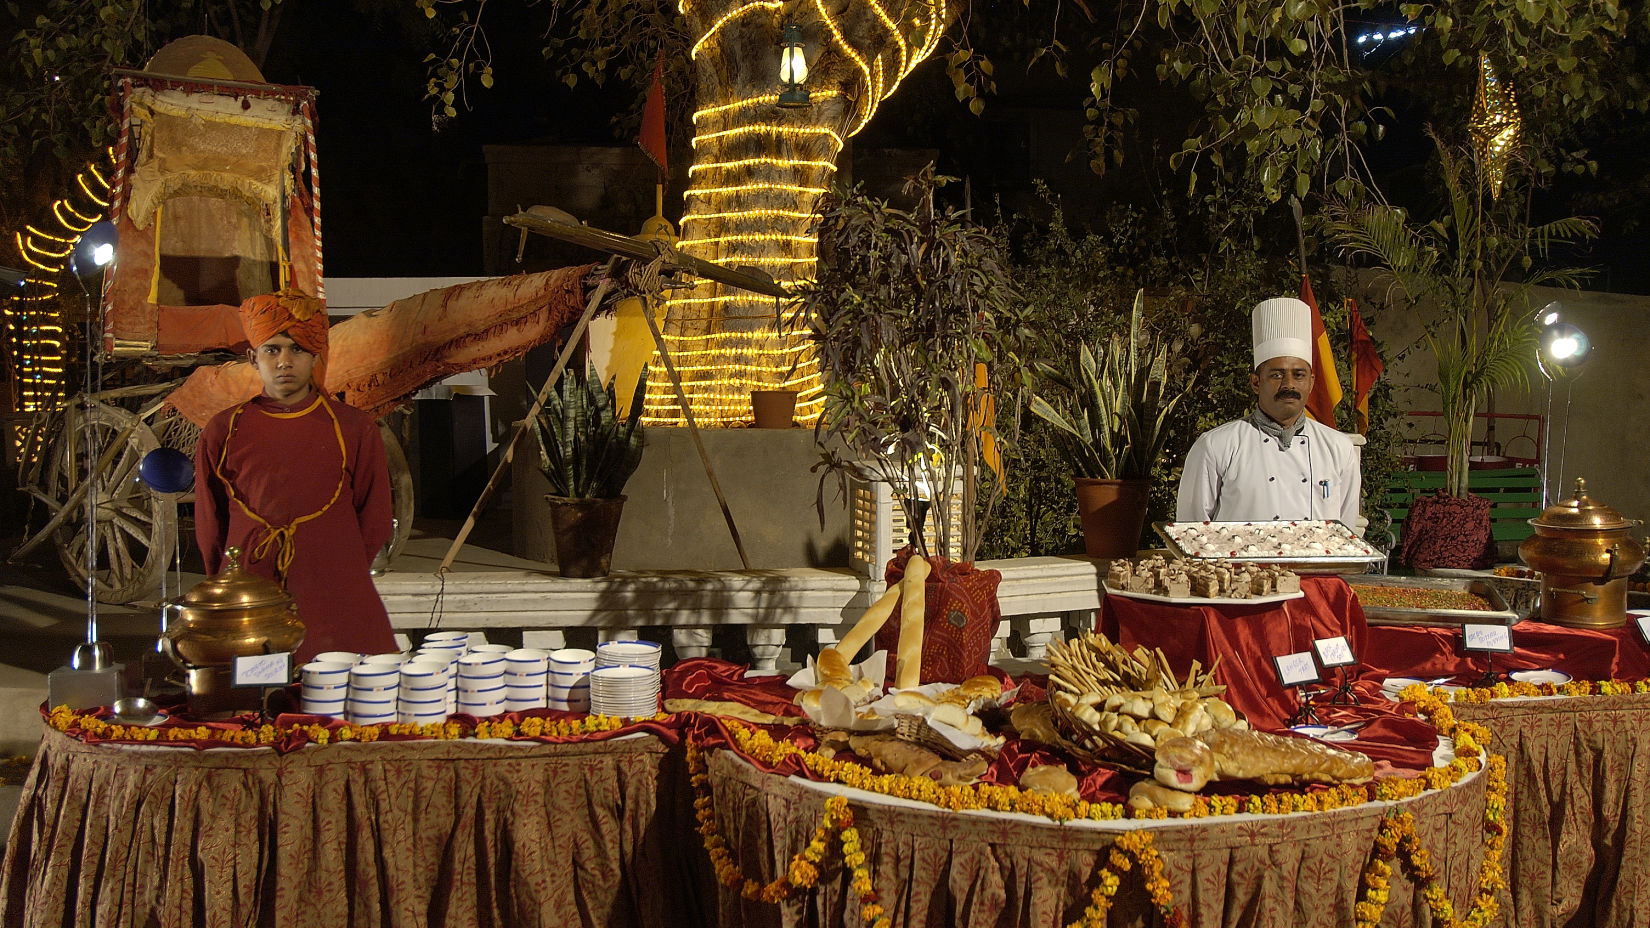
[1579, 772]
[453, 833]
[938, 868]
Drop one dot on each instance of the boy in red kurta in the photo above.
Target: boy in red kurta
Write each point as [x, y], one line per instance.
[298, 481]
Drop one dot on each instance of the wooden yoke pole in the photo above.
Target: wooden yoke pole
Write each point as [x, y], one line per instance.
[687, 416]
[572, 344]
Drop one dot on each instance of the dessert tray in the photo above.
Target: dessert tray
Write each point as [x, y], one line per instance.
[1302, 545]
[1204, 600]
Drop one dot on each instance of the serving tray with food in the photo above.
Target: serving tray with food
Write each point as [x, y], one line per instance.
[1431, 601]
[1303, 545]
[1158, 579]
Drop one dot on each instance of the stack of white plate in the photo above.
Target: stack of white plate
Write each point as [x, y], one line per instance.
[526, 676]
[480, 685]
[624, 692]
[422, 699]
[570, 679]
[628, 653]
[373, 688]
[323, 686]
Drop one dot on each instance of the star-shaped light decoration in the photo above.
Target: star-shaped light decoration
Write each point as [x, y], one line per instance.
[1494, 125]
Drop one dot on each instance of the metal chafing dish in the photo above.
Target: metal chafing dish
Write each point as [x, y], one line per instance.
[234, 613]
[1375, 561]
[1498, 613]
[1585, 551]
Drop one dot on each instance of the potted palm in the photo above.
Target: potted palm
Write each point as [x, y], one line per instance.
[918, 329]
[587, 453]
[1113, 413]
[1474, 264]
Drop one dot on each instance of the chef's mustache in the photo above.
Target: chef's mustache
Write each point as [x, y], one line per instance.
[1287, 393]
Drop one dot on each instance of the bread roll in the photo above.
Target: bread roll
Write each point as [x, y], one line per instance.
[833, 668]
[809, 699]
[912, 701]
[951, 715]
[1148, 794]
[1049, 778]
[984, 686]
[868, 624]
[908, 670]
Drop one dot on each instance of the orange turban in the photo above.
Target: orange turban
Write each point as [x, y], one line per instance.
[302, 317]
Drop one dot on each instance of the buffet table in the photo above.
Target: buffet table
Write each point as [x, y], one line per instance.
[409, 833]
[939, 868]
[1579, 774]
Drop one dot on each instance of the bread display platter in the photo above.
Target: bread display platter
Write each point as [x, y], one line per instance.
[1379, 611]
[1203, 600]
[1302, 545]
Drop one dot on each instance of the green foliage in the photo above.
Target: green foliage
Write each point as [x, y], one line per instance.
[1118, 410]
[1475, 263]
[906, 304]
[1284, 96]
[585, 450]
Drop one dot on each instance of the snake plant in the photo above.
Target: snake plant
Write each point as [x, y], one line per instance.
[1115, 418]
[585, 450]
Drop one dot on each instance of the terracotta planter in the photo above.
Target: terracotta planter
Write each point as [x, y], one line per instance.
[773, 409]
[1113, 514]
[584, 530]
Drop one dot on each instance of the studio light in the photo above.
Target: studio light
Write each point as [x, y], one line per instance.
[94, 250]
[1565, 346]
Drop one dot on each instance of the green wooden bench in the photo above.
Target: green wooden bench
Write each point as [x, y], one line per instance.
[1514, 494]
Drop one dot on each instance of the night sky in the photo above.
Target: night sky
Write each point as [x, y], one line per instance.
[399, 199]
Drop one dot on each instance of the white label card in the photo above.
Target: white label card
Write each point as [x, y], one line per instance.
[1486, 638]
[1295, 669]
[1641, 620]
[264, 670]
[1334, 652]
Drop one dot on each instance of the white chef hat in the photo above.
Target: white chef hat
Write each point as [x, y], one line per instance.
[1282, 328]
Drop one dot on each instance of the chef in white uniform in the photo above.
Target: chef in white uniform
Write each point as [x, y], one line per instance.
[1277, 463]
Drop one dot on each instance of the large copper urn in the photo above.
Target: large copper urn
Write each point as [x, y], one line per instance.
[1585, 552]
[234, 613]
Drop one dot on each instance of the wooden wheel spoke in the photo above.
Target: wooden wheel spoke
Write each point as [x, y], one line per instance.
[119, 562]
[121, 473]
[134, 528]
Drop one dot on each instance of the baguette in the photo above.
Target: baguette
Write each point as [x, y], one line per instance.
[908, 670]
[833, 668]
[868, 624]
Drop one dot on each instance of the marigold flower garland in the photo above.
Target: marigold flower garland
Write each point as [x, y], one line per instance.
[65, 719]
[803, 871]
[1137, 845]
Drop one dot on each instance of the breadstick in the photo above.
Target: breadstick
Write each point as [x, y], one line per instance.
[908, 671]
[868, 625]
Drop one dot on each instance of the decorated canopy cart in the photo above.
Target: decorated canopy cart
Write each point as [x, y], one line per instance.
[216, 198]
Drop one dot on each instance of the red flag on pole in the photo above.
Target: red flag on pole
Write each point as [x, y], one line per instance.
[653, 119]
[1366, 364]
[1326, 384]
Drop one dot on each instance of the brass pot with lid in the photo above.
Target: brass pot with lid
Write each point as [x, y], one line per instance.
[1585, 551]
[233, 613]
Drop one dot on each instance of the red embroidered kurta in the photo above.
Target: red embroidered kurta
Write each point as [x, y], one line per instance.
[285, 465]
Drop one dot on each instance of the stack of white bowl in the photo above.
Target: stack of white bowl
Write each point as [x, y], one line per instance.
[624, 692]
[324, 686]
[570, 679]
[481, 684]
[628, 654]
[373, 690]
[423, 696]
[526, 675]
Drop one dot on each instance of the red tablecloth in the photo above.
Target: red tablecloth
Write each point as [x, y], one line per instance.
[1245, 637]
[1429, 651]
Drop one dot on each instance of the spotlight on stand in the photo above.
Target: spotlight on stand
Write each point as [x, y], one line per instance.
[1549, 313]
[1565, 347]
[793, 69]
[94, 251]
[1561, 353]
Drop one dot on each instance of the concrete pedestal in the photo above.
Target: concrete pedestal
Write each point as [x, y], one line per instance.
[672, 521]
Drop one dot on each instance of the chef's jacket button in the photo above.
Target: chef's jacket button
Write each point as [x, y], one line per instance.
[1270, 479]
[1276, 518]
[1266, 441]
[1303, 480]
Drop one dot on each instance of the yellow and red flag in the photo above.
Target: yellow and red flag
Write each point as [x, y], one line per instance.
[1366, 364]
[1326, 384]
[653, 120]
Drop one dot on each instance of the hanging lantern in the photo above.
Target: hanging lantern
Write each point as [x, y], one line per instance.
[793, 68]
[1495, 125]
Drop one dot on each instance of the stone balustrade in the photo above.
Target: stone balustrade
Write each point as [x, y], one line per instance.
[1041, 597]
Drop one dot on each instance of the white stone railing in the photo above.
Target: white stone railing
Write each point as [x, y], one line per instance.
[1041, 597]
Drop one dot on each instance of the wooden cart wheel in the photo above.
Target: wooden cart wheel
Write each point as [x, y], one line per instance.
[401, 491]
[136, 528]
